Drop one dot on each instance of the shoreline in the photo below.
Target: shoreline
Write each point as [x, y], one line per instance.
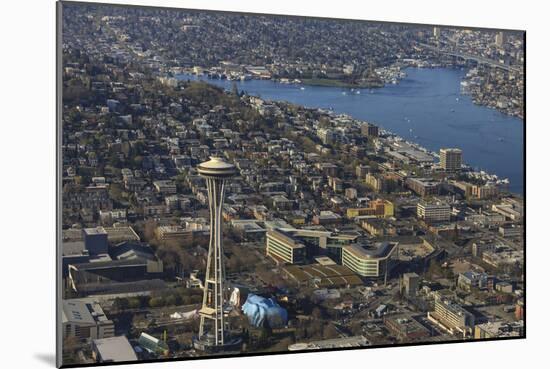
[326, 82]
[480, 172]
[338, 83]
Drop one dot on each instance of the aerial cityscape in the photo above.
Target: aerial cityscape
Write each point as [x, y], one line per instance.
[244, 184]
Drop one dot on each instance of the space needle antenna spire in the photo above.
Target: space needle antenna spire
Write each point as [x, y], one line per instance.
[216, 172]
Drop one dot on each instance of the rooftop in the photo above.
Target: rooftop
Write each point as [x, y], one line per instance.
[353, 341]
[326, 275]
[379, 250]
[94, 231]
[114, 349]
[82, 311]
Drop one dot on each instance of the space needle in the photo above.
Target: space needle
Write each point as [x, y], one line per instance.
[212, 332]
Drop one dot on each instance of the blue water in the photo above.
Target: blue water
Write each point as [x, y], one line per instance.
[426, 102]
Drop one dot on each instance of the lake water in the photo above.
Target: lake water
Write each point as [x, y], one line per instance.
[425, 107]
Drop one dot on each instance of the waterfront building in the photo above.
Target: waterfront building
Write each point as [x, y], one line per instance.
[450, 159]
[485, 191]
[369, 130]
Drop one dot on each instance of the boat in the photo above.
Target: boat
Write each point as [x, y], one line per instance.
[357, 92]
[302, 88]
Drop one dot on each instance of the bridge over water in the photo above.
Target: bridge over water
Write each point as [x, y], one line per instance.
[476, 58]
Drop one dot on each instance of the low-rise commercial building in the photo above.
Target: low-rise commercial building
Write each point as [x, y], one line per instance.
[284, 247]
[423, 186]
[165, 187]
[405, 328]
[381, 182]
[510, 230]
[84, 320]
[499, 329]
[470, 279]
[112, 350]
[379, 208]
[485, 191]
[327, 217]
[433, 212]
[344, 342]
[174, 233]
[378, 227]
[452, 317]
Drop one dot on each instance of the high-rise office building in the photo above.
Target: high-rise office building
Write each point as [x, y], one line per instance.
[369, 130]
[410, 283]
[500, 39]
[450, 159]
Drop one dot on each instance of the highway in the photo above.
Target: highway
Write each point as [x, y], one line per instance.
[476, 58]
